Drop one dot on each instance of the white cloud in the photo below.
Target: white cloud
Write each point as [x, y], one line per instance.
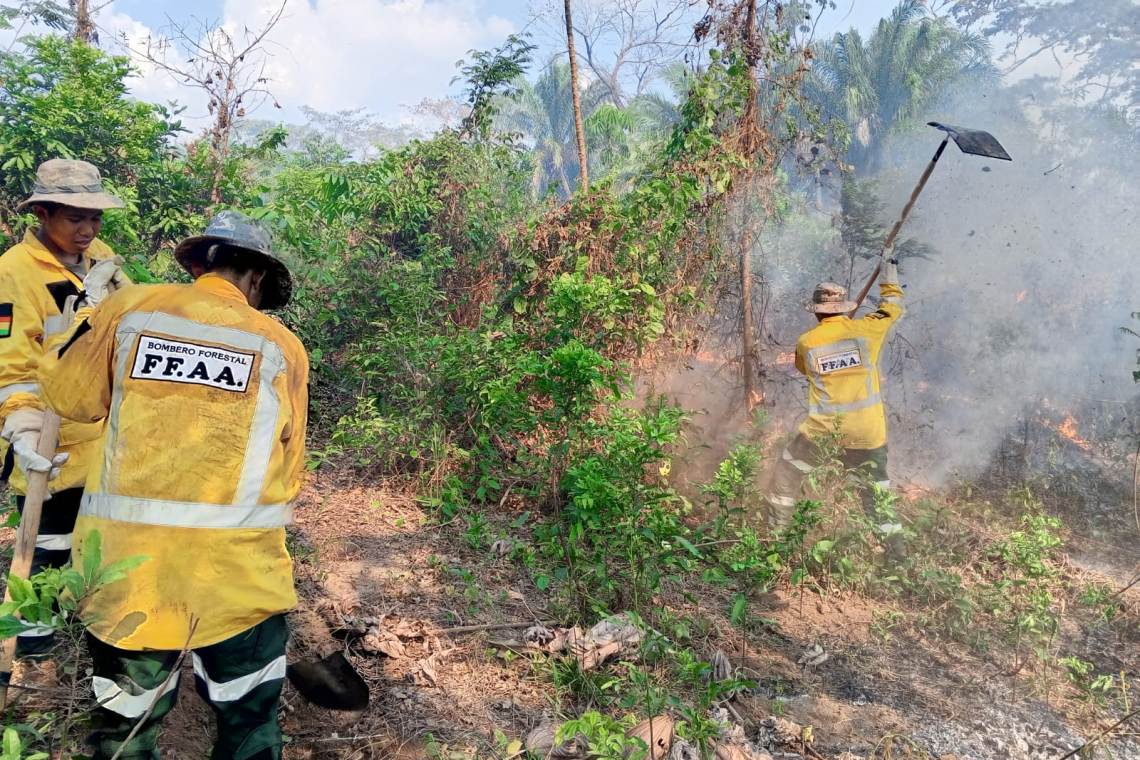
[337, 54]
[379, 54]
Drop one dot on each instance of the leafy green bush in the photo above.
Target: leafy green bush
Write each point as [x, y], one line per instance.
[55, 597]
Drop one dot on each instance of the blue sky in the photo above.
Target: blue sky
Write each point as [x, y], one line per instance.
[382, 55]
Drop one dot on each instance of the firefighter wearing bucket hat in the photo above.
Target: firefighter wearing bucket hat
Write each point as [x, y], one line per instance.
[203, 401]
[61, 258]
[840, 358]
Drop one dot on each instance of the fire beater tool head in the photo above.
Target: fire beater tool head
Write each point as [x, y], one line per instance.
[974, 141]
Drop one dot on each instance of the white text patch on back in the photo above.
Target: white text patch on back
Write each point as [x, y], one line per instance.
[176, 361]
[841, 360]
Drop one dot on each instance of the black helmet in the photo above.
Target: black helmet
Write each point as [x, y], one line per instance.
[237, 230]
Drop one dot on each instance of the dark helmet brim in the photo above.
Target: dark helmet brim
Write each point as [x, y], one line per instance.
[276, 288]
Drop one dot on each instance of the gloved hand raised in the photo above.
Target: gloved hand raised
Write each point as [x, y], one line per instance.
[103, 279]
[22, 431]
[889, 267]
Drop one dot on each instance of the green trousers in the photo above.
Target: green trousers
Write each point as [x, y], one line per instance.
[801, 457]
[240, 678]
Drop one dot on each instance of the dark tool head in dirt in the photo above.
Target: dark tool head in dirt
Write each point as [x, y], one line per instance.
[234, 231]
[330, 682]
[973, 142]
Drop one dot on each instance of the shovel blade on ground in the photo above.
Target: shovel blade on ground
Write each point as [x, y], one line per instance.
[974, 141]
[330, 682]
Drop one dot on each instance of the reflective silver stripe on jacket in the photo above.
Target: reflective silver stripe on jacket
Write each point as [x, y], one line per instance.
[854, 406]
[185, 514]
[262, 433]
[8, 390]
[826, 404]
[231, 691]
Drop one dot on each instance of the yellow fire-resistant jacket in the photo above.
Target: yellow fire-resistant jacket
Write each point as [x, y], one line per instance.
[204, 402]
[33, 289]
[841, 360]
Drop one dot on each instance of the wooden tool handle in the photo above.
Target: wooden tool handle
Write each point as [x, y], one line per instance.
[33, 501]
[26, 534]
[890, 241]
[867, 288]
[29, 527]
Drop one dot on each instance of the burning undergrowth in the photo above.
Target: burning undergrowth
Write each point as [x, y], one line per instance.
[1014, 309]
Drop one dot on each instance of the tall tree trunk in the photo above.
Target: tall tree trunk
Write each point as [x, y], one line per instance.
[85, 30]
[750, 147]
[220, 145]
[747, 237]
[577, 100]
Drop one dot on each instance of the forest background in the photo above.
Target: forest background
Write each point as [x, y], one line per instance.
[580, 299]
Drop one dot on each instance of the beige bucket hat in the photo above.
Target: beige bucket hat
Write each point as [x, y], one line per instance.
[829, 298]
[70, 183]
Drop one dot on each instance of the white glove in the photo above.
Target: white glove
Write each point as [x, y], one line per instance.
[22, 430]
[889, 268]
[103, 279]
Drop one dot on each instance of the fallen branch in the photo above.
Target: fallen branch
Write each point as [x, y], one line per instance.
[1131, 583]
[732, 711]
[1101, 735]
[55, 691]
[1135, 493]
[488, 627]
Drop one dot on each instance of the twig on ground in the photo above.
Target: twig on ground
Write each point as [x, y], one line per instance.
[327, 739]
[811, 752]
[1131, 583]
[1101, 735]
[732, 711]
[57, 691]
[1135, 491]
[174, 672]
[488, 627]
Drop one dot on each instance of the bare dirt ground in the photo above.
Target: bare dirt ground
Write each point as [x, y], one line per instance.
[884, 690]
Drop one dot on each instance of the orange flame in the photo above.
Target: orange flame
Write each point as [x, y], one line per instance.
[786, 358]
[1068, 429]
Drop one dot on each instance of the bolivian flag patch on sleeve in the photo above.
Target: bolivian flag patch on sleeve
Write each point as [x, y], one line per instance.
[5, 320]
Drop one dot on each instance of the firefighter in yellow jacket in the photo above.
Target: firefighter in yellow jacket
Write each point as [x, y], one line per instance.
[203, 401]
[61, 258]
[840, 358]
